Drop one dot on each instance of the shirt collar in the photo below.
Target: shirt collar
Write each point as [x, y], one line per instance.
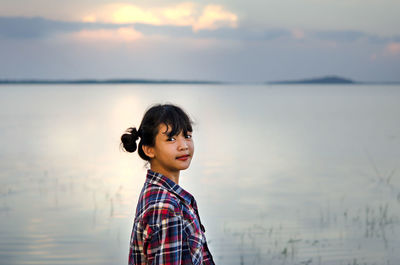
[161, 180]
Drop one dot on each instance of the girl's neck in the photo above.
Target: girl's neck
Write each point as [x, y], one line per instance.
[174, 176]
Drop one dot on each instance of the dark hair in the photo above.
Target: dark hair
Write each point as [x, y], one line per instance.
[168, 114]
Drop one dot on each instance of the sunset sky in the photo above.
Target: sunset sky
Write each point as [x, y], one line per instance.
[245, 41]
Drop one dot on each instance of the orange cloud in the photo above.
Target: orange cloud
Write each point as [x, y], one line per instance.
[298, 34]
[183, 14]
[121, 13]
[180, 15]
[125, 13]
[213, 17]
[89, 18]
[393, 48]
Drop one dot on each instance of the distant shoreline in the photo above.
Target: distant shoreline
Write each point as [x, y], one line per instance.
[108, 81]
[328, 80]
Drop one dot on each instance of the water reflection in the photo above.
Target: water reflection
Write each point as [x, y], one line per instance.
[282, 175]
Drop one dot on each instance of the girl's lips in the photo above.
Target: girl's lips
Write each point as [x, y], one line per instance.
[183, 158]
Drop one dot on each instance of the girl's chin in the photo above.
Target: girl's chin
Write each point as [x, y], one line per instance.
[185, 166]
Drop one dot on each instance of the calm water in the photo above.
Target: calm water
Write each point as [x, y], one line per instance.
[282, 174]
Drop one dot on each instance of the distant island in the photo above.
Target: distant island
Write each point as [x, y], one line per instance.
[107, 81]
[320, 80]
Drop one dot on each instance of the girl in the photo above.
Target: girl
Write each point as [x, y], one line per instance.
[167, 229]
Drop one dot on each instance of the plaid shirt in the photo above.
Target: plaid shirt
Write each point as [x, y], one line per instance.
[167, 228]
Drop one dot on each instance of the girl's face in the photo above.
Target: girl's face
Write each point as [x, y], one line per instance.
[169, 155]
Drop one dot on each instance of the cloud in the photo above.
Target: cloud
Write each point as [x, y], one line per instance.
[182, 14]
[298, 33]
[392, 48]
[215, 16]
[212, 25]
[37, 27]
[21, 27]
[29, 28]
[125, 13]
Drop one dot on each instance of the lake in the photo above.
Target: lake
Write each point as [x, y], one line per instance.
[282, 174]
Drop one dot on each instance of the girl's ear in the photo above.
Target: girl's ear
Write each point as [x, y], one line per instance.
[148, 150]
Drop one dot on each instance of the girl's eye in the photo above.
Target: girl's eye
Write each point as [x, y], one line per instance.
[189, 136]
[171, 139]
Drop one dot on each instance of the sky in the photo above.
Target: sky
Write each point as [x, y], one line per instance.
[237, 41]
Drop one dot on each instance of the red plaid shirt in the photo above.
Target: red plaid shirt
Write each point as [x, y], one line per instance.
[167, 228]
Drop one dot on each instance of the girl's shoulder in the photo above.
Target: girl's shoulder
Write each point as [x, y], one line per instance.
[157, 203]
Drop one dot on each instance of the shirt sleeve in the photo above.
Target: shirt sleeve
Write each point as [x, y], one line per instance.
[165, 247]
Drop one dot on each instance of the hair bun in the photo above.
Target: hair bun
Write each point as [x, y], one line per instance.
[129, 139]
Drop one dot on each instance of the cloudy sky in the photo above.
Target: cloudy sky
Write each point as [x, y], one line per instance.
[246, 41]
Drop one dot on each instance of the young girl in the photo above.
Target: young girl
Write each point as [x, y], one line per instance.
[167, 229]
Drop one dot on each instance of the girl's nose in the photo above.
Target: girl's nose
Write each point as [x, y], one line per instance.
[182, 144]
